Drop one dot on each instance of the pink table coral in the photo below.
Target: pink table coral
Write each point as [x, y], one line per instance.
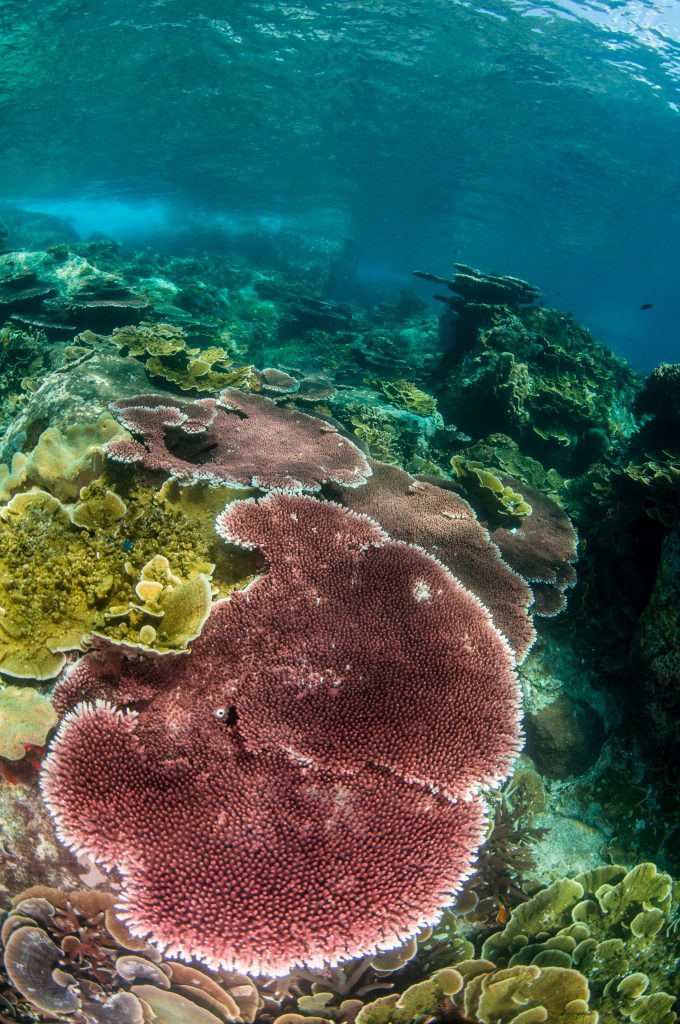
[237, 440]
[303, 787]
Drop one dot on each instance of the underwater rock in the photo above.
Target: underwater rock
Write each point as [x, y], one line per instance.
[655, 651]
[359, 647]
[565, 738]
[72, 397]
[62, 293]
[660, 396]
[30, 230]
[537, 375]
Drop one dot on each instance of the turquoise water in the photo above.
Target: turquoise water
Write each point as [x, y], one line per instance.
[536, 139]
[339, 512]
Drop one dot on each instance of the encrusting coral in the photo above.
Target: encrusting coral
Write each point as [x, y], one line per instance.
[361, 649]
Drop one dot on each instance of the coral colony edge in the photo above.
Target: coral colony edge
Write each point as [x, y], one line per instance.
[338, 651]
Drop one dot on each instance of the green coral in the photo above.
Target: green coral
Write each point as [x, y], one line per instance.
[60, 582]
[403, 394]
[378, 430]
[425, 999]
[609, 923]
[26, 718]
[497, 498]
[62, 461]
[166, 355]
[149, 340]
[199, 370]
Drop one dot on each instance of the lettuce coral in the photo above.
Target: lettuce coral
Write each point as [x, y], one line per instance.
[26, 718]
[68, 571]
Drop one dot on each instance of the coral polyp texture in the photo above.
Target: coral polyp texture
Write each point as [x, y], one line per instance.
[222, 440]
[303, 787]
[443, 523]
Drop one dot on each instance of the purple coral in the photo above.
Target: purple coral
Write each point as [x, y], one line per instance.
[302, 787]
[237, 440]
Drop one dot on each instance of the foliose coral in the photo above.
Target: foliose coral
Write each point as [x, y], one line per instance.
[361, 649]
[26, 718]
[62, 461]
[613, 926]
[69, 957]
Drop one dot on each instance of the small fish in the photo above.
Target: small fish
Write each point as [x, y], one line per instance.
[502, 914]
[127, 545]
[647, 305]
[558, 293]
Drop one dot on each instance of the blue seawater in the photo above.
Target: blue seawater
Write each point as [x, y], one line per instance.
[539, 139]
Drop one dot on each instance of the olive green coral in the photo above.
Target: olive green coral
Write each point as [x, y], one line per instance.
[26, 718]
[610, 924]
[61, 582]
[404, 394]
[497, 498]
[62, 461]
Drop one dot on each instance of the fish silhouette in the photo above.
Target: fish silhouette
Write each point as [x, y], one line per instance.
[647, 305]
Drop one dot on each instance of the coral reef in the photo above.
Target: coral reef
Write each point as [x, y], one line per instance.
[68, 571]
[238, 440]
[361, 649]
[61, 293]
[69, 957]
[419, 512]
[247, 738]
[533, 373]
